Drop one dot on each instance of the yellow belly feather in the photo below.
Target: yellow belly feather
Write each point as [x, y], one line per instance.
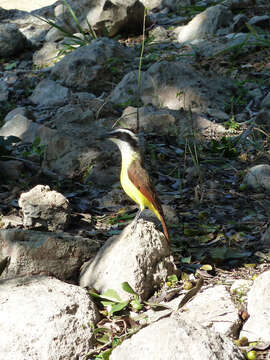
[135, 194]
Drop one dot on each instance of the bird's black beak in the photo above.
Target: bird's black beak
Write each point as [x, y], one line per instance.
[103, 136]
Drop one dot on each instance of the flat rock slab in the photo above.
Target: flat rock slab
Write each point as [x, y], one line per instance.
[25, 5]
[44, 319]
[257, 326]
[213, 308]
[36, 252]
[172, 339]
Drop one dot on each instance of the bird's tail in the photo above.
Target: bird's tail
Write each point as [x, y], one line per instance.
[165, 230]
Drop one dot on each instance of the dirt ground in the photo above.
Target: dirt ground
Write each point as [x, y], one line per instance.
[26, 5]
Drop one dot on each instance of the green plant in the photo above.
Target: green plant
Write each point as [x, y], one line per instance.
[232, 124]
[37, 149]
[72, 41]
[113, 303]
[225, 147]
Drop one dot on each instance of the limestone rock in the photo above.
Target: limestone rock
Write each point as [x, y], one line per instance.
[45, 319]
[173, 85]
[47, 55]
[4, 91]
[22, 127]
[84, 67]
[106, 17]
[140, 256]
[49, 93]
[257, 326]
[206, 23]
[258, 177]
[44, 208]
[11, 169]
[35, 252]
[12, 41]
[221, 316]
[159, 121]
[174, 338]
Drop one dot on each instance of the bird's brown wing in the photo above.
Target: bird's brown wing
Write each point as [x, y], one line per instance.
[140, 178]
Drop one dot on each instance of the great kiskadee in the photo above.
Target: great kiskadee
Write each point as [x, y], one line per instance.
[134, 178]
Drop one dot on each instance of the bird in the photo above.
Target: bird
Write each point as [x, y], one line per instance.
[134, 178]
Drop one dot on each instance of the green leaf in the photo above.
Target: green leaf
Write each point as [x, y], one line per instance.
[186, 260]
[126, 287]
[118, 307]
[172, 278]
[111, 294]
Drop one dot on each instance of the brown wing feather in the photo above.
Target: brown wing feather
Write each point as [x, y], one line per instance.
[140, 178]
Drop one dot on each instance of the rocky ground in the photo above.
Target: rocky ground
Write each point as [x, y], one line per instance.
[198, 81]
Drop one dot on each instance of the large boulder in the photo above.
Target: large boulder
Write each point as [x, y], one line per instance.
[35, 252]
[107, 17]
[12, 41]
[45, 319]
[174, 338]
[140, 256]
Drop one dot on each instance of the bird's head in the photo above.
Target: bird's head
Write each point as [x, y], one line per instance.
[125, 139]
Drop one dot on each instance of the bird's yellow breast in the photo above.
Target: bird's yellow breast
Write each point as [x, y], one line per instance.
[132, 191]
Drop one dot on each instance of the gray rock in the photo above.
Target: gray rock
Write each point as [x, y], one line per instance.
[257, 327]
[206, 23]
[12, 41]
[44, 208]
[237, 4]
[221, 315]
[266, 101]
[218, 115]
[46, 56]
[75, 121]
[49, 93]
[106, 17]
[4, 91]
[44, 318]
[21, 127]
[159, 33]
[140, 256]
[85, 69]
[11, 169]
[177, 86]
[151, 4]
[263, 118]
[265, 239]
[256, 94]
[173, 85]
[19, 110]
[126, 91]
[174, 338]
[258, 177]
[68, 157]
[160, 121]
[263, 21]
[239, 23]
[36, 252]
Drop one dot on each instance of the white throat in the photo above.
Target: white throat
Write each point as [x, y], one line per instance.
[127, 152]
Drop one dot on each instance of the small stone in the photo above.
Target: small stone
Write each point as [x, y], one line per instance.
[11, 169]
[44, 208]
[49, 93]
[4, 91]
[258, 177]
[266, 101]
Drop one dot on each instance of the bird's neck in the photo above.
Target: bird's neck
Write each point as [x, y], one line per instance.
[128, 154]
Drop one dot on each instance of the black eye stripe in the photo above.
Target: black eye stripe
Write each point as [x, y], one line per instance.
[125, 137]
